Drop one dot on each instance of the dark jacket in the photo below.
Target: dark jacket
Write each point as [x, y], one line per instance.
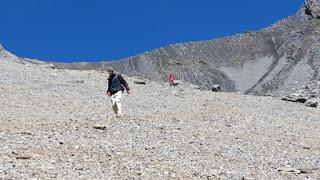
[116, 83]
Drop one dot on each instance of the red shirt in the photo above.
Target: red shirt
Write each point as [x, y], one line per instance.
[171, 77]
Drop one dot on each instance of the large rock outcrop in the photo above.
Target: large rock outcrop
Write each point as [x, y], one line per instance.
[277, 60]
[313, 8]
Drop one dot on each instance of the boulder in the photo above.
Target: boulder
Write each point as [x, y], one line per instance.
[313, 8]
[23, 157]
[307, 170]
[99, 127]
[295, 98]
[312, 103]
[289, 170]
[52, 66]
[140, 81]
[176, 82]
[296, 170]
[216, 88]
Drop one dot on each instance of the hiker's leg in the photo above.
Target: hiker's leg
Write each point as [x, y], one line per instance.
[118, 102]
[119, 108]
[114, 104]
[115, 108]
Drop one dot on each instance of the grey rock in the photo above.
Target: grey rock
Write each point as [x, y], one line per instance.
[312, 103]
[216, 88]
[313, 8]
[140, 81]
[80, 81]
[177, 82]
[299, 99]
[296, 171]
[52, 66]
[100, 127]
[307, 170]
[23, 157]
[289, 170]
[14, 152]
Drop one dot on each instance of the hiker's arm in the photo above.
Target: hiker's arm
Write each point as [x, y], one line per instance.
[124, 83]
[109, 85]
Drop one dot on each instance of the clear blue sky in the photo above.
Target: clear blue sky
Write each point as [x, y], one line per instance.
[94, 30]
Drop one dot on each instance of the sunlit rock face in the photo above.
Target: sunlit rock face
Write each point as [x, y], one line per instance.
[313, 8]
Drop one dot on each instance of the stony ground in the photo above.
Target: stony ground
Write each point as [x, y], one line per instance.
[49, 117]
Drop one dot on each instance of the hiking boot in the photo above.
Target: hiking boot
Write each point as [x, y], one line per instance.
[119, 116]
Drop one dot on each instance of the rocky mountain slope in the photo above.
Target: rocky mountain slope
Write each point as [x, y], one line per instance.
[277, 60]
[57, 123]
[5, 54]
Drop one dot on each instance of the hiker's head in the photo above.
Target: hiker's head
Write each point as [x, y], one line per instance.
[110, 70]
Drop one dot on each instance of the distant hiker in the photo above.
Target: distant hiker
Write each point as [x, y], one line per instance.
[171, 79]
[116, 86]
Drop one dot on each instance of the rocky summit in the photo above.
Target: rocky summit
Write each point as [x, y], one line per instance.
[313, 8]
[56, 120]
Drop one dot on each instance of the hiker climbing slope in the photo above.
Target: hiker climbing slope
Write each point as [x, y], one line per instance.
[116, 86]
[171, 79]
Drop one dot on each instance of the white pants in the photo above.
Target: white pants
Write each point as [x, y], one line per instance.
[116, 102]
